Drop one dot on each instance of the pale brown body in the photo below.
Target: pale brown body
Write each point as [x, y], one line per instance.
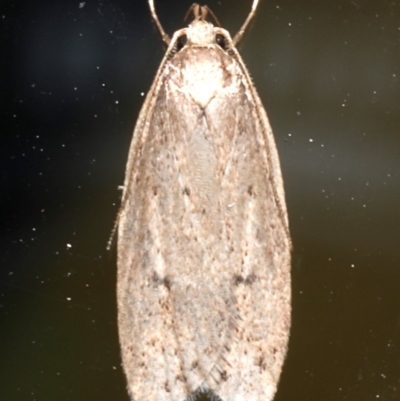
[203, 240]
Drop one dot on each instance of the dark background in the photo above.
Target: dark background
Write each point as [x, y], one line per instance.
[72, 82]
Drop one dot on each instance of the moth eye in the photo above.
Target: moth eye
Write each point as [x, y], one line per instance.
[181, 42]
[221, 41]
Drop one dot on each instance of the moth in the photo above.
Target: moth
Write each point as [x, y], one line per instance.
[203, 237]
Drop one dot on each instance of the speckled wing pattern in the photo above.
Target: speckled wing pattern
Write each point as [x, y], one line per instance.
[203, 241]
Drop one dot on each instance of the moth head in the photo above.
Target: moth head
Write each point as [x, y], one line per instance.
[201, 34]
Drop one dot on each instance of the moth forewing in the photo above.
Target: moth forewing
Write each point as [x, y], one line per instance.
[203, 240]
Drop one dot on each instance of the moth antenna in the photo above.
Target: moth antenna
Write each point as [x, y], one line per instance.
[111, 240]
[239, 35]
[164, 36]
